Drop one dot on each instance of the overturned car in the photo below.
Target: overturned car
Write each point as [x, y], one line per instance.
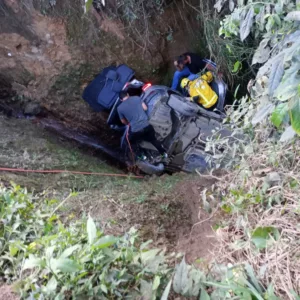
[180, 125]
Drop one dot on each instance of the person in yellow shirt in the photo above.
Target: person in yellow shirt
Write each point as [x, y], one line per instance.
[200, 91]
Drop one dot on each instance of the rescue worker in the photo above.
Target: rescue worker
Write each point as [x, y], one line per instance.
[200, 91]
[132, 111]
[188, 64]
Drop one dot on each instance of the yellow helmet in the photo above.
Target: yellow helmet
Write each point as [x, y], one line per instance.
[184, 82]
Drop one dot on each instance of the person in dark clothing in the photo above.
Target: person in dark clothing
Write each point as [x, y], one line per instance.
[188, 65]
[132, 112]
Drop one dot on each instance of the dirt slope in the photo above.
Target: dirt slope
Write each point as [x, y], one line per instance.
[49, 53]
[164, 209]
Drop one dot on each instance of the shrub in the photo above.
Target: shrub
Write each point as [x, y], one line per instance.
[56, 261]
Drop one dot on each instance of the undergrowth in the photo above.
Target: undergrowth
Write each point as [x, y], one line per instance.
[258, 238]
[49, 257]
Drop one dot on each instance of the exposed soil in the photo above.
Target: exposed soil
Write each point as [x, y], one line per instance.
[165, 209]
[47, 56]
[49, 53]
[200, 240]
[6, 293]
[165, 216]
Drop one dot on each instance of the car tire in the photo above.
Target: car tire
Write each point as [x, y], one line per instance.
[183, 106]
[150, 169]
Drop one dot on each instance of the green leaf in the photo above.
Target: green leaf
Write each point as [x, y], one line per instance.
[261, 235]
[277, 71]
[166, 292]
[88, 4]
[262, 113]
[91, 230]
[279, 114]
[295, 114]
[260, 18]
[104, 288]
[247, 24]
[33, 262]
[270, 23]
[289, 83]
[293, 16]
[69, 251]
[13, 250]
[181, 277]
[156, 283]
[145, 245]
[196, 277]
[287, 135]
[250, 272]
[277, 19]
[262, 53]
[146, 290]
[204, 295]
[297, 297]
[106, 241]
[237, 66]
[148, 255]
[67, 265]
[51, 285]
[236, 91]
[152, 260]
[269, 294]
[252, 291]
[290, 38]
[49, 251]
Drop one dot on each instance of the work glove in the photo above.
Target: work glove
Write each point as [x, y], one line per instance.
[196, 98]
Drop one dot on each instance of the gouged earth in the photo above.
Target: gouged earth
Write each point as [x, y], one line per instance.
[164, 209]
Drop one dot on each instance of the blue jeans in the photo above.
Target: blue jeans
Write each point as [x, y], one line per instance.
[193, 76]
[178, 75]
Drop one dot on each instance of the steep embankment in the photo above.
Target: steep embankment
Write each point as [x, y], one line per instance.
[50, 50]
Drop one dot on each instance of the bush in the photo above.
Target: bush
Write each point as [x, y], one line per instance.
[56, 261]
[275, 25]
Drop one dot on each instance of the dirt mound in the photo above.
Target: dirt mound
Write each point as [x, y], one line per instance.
[198, 241]
[32, 61]
[165, 215]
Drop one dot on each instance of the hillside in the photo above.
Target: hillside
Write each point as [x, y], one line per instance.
[229, 233]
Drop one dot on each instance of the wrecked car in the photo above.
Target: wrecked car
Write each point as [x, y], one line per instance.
[180, 125]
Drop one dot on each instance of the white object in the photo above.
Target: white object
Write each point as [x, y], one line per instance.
[287, 135]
